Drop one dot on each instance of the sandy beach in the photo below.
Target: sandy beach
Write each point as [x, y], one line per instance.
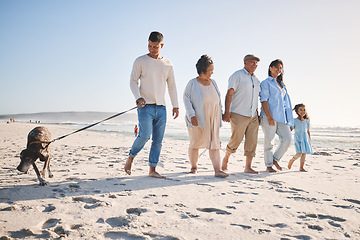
[91, 197]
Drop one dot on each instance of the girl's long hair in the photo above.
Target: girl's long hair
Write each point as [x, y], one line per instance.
[296, 108]
[276, 63]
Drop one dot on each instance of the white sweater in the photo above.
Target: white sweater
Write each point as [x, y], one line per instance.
[153, 75]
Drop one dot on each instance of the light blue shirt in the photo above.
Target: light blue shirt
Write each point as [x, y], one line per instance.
[194, 102]
[280, 107]
[246, 95]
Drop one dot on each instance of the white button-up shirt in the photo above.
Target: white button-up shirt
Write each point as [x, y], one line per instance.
[246, 95]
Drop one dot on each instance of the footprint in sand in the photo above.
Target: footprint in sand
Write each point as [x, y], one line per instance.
[23, 233]
[216, 210]
[137, 211]
[49, 208]
[240, 225]
[50, 223]
[117, 222]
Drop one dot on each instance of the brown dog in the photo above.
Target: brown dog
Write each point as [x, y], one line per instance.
[37, 147]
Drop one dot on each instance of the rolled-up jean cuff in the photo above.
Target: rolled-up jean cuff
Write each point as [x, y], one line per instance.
[152, 164]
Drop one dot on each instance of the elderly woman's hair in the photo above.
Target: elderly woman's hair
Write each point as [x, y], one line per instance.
[203, 63]
[276, 63]
[156, 37]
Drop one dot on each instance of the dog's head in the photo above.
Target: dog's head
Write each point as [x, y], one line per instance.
[27, 159]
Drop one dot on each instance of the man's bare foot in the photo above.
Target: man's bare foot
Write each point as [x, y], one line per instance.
[302, 170]
[193, 170]
[221, 174]
[250, 170]
[154, 173]
[291, 163]
[128, 164]
[270, 169]
[277, 165]
[224, 165]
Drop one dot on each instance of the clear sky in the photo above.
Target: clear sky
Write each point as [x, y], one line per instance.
[77, 55]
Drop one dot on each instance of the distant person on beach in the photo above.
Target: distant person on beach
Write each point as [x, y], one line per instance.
[136, 130]
[149, 77]
[276, 115]
[301, 137]
[203, 115]
[241, 110]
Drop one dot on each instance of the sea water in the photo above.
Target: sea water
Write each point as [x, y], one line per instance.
[330, 137]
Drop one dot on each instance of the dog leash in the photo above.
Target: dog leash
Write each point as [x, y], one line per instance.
[82, 129]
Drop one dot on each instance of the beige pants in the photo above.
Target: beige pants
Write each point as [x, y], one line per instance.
[299, 154]
[243, 126]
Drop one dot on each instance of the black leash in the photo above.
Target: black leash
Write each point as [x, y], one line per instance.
[82, 129]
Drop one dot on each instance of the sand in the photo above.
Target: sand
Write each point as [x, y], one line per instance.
[91, 197]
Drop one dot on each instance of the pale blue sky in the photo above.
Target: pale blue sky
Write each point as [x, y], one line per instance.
[77, 55]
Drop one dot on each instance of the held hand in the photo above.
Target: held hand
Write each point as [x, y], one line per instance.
[226, 117]
[140, 102]
[175, 112]
[271, 121]
[194, 121]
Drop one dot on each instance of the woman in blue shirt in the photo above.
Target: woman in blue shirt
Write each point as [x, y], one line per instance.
[276, 115]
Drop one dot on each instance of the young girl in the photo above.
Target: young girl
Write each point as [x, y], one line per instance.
[302, 136]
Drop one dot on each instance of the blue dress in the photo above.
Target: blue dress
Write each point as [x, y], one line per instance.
[302, 141]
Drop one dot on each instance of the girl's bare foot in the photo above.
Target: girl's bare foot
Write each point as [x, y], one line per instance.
[193, 170]
[270, 169]
[291, 163]
[302, 170]
[221, 174]
[277, 165]
[250, 170]
[127, 167]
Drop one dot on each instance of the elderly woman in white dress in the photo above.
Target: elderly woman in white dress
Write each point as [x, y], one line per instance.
[203, 115]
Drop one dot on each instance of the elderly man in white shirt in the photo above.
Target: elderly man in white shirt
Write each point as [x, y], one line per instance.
[154, 72]
[241, 103]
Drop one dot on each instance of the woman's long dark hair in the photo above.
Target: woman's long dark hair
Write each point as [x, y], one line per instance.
[276, 63]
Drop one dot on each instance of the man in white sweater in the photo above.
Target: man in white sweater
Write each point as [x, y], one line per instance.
[149, 77]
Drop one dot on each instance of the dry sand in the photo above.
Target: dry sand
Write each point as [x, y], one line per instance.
[90, 196]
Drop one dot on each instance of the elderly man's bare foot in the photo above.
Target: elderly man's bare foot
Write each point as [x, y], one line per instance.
[291, 163]
[193, 170]
[277, 165]
[250, 170]
[221, 174]
[270, 169]
[224, 165]
[302, 170]
[127, 167]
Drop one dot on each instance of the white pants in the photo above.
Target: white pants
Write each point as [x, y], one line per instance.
[284, 133]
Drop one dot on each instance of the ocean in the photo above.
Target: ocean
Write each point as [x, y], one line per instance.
[323, 137]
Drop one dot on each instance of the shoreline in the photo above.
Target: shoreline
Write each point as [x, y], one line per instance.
[91, 197]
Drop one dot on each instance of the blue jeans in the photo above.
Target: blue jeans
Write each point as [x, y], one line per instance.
[284, 133]
[152, 121]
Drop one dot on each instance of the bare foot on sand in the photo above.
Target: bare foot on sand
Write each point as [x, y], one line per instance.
[270, 169]
[291, 163]
[277, 165]
[250, 170]
[127, 167]
[156, 175]
[302, 170]
[153, 173]
[221, 174]
[193, 170]
[224, 165]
